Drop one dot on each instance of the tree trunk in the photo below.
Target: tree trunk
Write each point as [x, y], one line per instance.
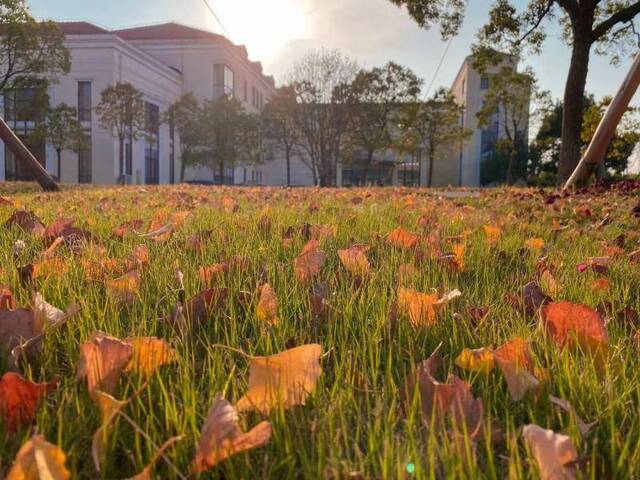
[59, 170]
[121, 169]
[182, 167]
[573, 106]
[221, 172]
[288, 159]
[512, 157]
[430, 177]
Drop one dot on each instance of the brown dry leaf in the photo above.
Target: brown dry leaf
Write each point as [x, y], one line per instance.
[27, 221]
[109, 408]
[548, 283]
[6, 299]
[285, 379]
[49, 267]
[402, 238]
[149, 354]
[355, 259]
[478, 360]
[196, 310]
[212, 272]
[38, 459]
[102, 360]
[309, 262]
[54, 231]
[267, 309]
[458, 256]
[515, 361]
[124, 289]
[421, 308]
[440, 401]
[573, 324]
[138, 259]
[554, 453]
[565, 405]
[130, 226]
[222, 437]
[19, 399]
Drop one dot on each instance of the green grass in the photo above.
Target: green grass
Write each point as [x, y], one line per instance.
[353, 421]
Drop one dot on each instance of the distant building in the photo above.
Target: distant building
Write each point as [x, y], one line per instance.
[163, 62]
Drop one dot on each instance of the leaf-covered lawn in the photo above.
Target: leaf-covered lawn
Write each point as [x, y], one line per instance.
[305, 333]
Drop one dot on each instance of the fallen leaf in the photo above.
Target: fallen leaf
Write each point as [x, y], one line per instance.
[492, 233]
[355, 259]
[109, 408]
[286, 379]
[149, 354]
[554, 453]
[267, 309]
[38, 459]
[479, 360]
[222, 438]
[19, 399]
[102, 360]
[422, 308]
[309, 262]
[124, 289]
[567, 407]
[573, 324]
[515, 361]
[27, 221]
[402, 238]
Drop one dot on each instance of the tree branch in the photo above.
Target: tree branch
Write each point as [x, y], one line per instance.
[622, 16]
[539, 20]
[571, 7]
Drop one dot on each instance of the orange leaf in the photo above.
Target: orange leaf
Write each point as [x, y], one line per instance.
[286, 379]
[421, 308]
[267, 310]
[19, 399]
[149, 354]
[123, 289]
[355, 259]
[222, 438]
[109, 408]
[574, 324]
[102, 360]
[492, 233]
[309, 262]
[402, 238]
[38, 459]
[534, 243]
[554, 453]
[514, 359]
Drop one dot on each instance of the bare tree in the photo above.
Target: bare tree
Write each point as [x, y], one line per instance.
[321, 82]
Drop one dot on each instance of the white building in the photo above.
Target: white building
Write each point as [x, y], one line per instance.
[163, 62]
[167, 60]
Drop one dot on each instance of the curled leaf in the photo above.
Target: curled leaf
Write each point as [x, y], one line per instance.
[19, 399]
[554, 453]
[102, 360]
[221, 437]
[38, 459]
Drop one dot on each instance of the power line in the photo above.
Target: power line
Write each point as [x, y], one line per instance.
[435, 74]
[213, 12]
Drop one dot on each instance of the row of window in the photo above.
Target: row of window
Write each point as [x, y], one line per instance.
[226, 84]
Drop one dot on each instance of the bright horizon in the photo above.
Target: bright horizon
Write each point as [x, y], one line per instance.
[279, 32]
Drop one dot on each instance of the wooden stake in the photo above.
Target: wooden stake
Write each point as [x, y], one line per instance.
[23, 155]
[597, 150]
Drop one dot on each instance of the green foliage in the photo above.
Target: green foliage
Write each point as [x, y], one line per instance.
[29, 48]
[377, 97]
[183, 114]
[62, 129]
[447, 14]
[122, 111]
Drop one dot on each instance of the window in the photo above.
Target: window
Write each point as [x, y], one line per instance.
[152, 148]
[84, 101]
[85, 160]
[223, 81]
[484, 83]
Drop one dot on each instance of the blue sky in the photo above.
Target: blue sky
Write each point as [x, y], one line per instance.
[278, 32]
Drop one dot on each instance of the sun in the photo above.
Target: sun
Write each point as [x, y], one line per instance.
[263, 26]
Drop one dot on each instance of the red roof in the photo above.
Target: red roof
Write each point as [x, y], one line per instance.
[80, 28]
[167, 31]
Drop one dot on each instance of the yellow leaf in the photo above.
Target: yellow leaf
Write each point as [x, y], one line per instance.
[267, 310]
[286, 379]
[479, 360]
[149, 354]
[39, 460]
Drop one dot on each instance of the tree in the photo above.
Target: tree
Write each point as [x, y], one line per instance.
[433, 128]
[507, 111]
[602, 26]
[545, 148]
[379, 95]
[321, 81]
[279, 123]
[63, 131]
[29, 48]
[122, 112]
[221, 128]
[183, 115]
